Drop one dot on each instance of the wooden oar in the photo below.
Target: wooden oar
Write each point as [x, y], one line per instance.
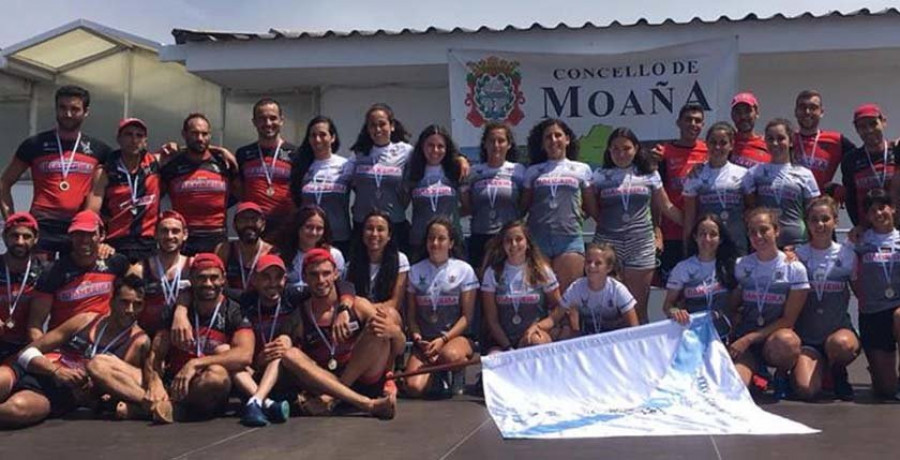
[435, 368]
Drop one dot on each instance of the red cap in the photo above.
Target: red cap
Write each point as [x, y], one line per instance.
[317, 255]
[206, 260]
[21, 218]
[248, 206]
[267, 261]
[86, 221]
[867, 111]
[744, 98]
[173, 214]
[131, 121]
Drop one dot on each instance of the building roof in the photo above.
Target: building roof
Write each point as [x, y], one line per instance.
[183, 36]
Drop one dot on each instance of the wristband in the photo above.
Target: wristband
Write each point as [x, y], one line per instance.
[445, 337]
[342, 308]
[27, 355]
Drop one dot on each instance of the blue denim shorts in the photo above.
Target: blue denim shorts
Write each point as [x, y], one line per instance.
[556, 245]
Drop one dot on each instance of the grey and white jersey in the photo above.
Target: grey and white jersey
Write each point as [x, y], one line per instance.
[830, 271]
[327, 185]
[514, 296]
[786, 189]
[765, 287]
[598, 309]
[699, 284]
[437, 290]
[721, 191]
[497, 190]
[434, 195]
[556, 196]
[879, 271]
[625, 199]
[378, 181]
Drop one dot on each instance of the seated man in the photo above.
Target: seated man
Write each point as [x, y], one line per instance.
[22, 270]
[97, 354]
[200, 374]
[347, 363]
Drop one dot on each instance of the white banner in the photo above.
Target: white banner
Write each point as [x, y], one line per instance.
[592, 93]
[661, 379]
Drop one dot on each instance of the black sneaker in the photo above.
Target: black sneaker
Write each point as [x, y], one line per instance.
[842, 388]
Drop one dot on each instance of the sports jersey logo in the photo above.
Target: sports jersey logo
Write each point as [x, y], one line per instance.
[202, 184]
[333, 187]
[507, 299]
[56, 166]
[494, 92]
[444, 300]
[371, 170]
[880, 257]
[620, 191]
[556, 180]
[85, 290]
[432, 190]
[495, 182]
[752, 296]
[279, 172]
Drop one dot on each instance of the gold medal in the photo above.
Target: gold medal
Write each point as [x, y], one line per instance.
[64, 185]
[332, 364]
[270, 191]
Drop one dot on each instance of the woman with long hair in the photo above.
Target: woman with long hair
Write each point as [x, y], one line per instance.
[556, 197]
[703, 280]
[783, 186]
[629, 192]
[493, 189]
[598, 302]
[322, 178]
[377, 269]
[718, 187]
[308, 228]
[771, 293]
[440, 305]
[519, 292]
[824, 326]
[432, 184]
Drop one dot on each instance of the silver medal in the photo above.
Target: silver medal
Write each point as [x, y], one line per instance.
[724, 215]
[760, 321]
[626, 217]
[554, 204]
[134, 211]
[433, 318]
[492, 215]
[270, 191]
[820, 311]
[332, 364]
[64, 185]
[10, 323]
[378, 194]
[517, 320]
[889, 293]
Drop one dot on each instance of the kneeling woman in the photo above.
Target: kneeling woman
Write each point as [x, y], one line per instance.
[519, 293]
[878, 288]
[770, 295]
[702, 281]
[598, 302]
[440, 305]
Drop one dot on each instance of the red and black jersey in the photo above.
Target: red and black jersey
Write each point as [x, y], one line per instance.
[75, 289]
[233, 267]
[824, 157]
[41, 153]
[255, 183]
[677, 163]
[750, 151]
[131, 213]
[266, 326]
[18, 334]
[199, 191]
[156, 310]
[78, 351]
[209, 333]
[863, 171]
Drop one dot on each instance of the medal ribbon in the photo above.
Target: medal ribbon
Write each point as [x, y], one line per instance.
[625, 195]
[269, 173]
[245, 275]
[888, 268]
[884, 165]
[331, 346]
[13, 301]
[170, 290]
[819, 285]
[812, 154]
[212, 320]
[66, 165]
[132, 183]
[274, 319]
[761, 299]
[112, 343]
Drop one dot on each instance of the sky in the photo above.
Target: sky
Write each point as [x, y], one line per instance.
[155, 19]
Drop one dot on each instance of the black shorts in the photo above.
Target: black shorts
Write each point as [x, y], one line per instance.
[198, 242]
[135, 248]
[54, 236]
[9, 350]
[61, 398]
[877, 330]
[673, 252]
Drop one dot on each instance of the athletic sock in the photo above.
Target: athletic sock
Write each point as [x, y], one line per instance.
[254, 399]
[267, 403]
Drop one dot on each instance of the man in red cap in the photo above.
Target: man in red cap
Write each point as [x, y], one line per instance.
[332, 368]
[265, 165]
[871, 165]
[167, 273]
[749, 147]
[62, 162]
[79, 281]
[242, 255]
[820, 151]
[126, 192]
[199, 183]
[22, 269]
[200, 374]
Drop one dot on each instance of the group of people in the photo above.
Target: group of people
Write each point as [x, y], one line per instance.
[114, 303]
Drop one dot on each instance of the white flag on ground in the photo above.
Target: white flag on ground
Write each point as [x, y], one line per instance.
[661, 379]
